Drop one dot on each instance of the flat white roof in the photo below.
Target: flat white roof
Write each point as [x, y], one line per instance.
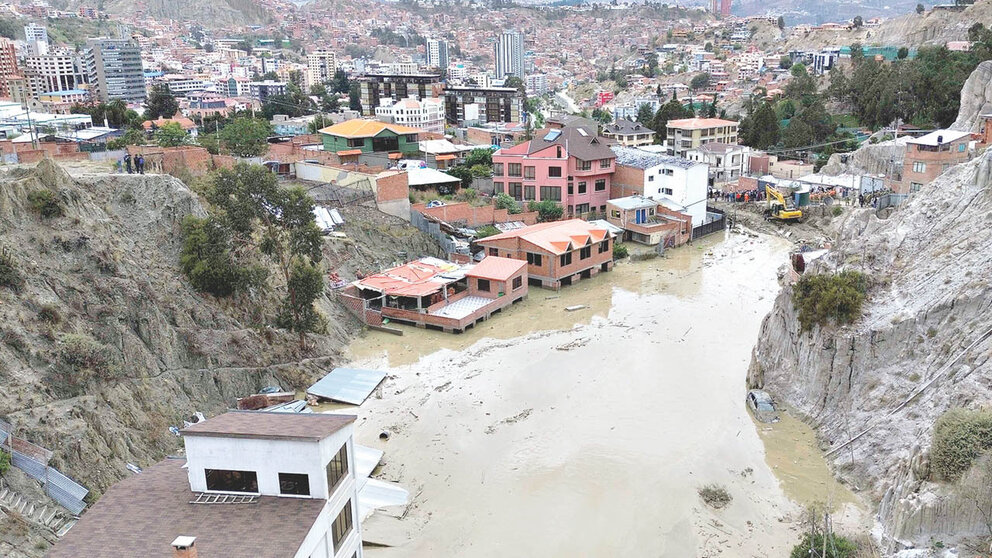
[946, 136]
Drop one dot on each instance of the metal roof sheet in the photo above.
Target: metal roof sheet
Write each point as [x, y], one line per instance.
[347, 385]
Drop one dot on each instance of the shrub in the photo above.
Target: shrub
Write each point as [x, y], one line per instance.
[829, 297]
[484, 231]
[49, 313]
[547, 210]
[959, 437]
[79, 359]
[45, 203]
[837, 210]
[4, 462]
[812, 545]
[505, 201]
[10, 276]
[620, 251]
[715, 496]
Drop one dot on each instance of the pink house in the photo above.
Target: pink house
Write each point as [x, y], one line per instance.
[571, 165]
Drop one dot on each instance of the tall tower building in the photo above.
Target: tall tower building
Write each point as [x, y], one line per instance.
[509, 54]
[36, 37]
[8, 65]
[437, 53]
[113, 69]
[720, 8]
[321, 66]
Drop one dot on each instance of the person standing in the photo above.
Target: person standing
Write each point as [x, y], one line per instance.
[127, 162]
[141, 164]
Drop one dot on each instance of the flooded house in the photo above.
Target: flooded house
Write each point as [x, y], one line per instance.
[557, 253]
[651, 222]
[437, 294]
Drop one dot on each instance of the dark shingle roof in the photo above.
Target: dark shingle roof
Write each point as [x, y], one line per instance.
[280, 426]
[579, 141]
[141, 515]
[622, 126]
[637, 158]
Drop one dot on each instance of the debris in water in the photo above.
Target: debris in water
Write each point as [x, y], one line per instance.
[574, 308]
[384, 435]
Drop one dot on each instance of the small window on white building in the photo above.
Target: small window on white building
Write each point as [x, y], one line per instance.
[337, 469]
[231, 481]
[296, 484]
[342, 526]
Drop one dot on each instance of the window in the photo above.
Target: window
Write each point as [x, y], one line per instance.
[387, 143]
[650, 178]
[515, 189]
[551, 193]
[667, 172]
[919, 166]
[585, 253]
[528, 192]
[615, 214]
[604, 246]
[337, 469]
[554, 172]
[497, 169]
[582, 208]
[565, 259]
[961, 147]
[666, 191]
[493, 252]
[600, 185]
[604, 163]
[582, 187]
[231, 481]
[297, 484]
[513, 169]
[534, 259]
[518, 282]
[585, 165]
[484, 285]
[342, 525]
[570, 189]
[498, 186]
[915, 186]
[359, 142]
[529, 173]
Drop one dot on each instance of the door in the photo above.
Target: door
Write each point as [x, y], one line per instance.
[640, 216]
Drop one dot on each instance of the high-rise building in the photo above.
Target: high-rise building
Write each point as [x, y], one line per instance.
[437, 53]
[8, 65]
[509, 54]
[113, 69]
[321, 65]
[36, 37]
[720, 8]
[56, 71]
[375, 87]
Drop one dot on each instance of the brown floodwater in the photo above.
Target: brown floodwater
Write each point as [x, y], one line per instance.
[554, 433]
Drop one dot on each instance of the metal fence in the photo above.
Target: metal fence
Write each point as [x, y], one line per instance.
[33, 460]
[432, 228]
[891, 200]
[713, 226]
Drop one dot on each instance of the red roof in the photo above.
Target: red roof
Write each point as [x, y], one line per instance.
[496, 268]
[556, 237]
[417, 278]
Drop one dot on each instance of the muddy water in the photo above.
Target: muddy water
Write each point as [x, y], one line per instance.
[524, 440]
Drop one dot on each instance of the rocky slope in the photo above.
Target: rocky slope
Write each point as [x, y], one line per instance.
[929, 307]
[976, 99]
[104, 277]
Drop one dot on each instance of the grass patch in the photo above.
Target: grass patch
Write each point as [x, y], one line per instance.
[959, 437]
[825, 298]
[45, 203]
[485, 230]
[715, 496]
[49, 313]
[10, 275]
[620, 251]
[812, 545]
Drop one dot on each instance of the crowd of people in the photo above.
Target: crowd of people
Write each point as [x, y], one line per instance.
[132, 164]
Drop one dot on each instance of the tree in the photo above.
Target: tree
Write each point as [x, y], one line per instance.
[645, 115]
[699, 81]
[505, 201]
[797, 134]
[672, 110]
[246, 137]
[781, 23]
[161, 103]
[601, 115]
[305, 286]
[857, 53]
[339, 83]
[903, 53]
[463, 173]
[354, 97]
[858, 21]
[920, 9]
[547, 210]
[516, 83]
[171, 134]
[479, 156]
[760, 129]
[132, 136]
[785, 62]
[208, 261]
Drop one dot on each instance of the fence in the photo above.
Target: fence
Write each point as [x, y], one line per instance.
[713, 226]
[33, 460]
[891, 200]
[434, 229]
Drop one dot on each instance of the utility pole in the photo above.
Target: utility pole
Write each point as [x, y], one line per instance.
[34, 140]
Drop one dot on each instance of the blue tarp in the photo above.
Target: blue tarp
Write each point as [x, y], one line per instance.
[347, 385]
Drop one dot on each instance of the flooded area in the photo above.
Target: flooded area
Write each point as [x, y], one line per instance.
[551, 433]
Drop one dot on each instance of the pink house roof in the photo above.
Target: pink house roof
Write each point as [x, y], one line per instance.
[699, 123]
[497, 268]
[556, 237]
[417, 278]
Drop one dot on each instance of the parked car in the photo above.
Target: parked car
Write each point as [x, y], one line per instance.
[761, 405]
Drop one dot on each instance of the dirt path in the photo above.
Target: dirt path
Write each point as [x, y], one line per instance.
[594, 440]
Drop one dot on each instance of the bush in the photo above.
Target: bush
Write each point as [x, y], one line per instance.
[620, 251]
[45, 203]
[505, 201]
[207, 262]
[829, 297]
[49, 313]
[547, 210]
[837, 210]
[812, 545]
[10, 276]
[79, 359]
[484, 231]
[959, 437]
[715, 496]
[4, 462]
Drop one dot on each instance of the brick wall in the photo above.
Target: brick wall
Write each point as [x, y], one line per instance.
[473, 216]
[389, 187]
[627, 181]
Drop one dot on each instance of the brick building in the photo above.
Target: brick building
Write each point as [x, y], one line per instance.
[8, 65]
[927, 157]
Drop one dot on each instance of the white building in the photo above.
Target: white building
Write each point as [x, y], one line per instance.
[262, 90]
[425, 114]
[36, 36]
[321, 66]
[659, 177]
[537, 84]
[252, 484]
[726, 161]
[437, 53]
[509, 55]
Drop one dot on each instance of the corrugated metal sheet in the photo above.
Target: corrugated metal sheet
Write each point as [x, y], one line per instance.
[380, 494]
[366, 460]
[348, 385]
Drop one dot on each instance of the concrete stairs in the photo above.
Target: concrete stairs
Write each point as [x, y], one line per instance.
[48, 516]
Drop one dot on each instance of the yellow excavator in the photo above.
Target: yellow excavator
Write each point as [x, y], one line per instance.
[781, 207]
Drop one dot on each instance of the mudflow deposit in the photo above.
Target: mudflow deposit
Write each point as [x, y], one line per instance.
[919, 349]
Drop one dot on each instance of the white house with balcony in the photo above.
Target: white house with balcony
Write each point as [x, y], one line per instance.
[425, 114]
[726, 161]
[252, 484]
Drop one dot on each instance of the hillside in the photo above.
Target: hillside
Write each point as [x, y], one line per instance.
[104, 345]
[209, 13]
[923, 322]
[911, 30]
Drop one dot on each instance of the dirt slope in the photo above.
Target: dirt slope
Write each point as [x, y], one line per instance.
[932, 299]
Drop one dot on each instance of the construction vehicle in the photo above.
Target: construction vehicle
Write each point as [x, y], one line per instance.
[781, 207]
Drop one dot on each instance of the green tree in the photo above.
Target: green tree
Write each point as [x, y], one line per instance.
[601, 115]
[760, 129]
[340, 83]
[857, 53]
[516, 83]
[903, 53]
[672, 110]
[813, 545]
[645, 115]
[479, 156]
[171, 134]
[797, 134]
[505, 201]
[463, 173]
[920, 9]
[781, 23]
[161, 103]
[699, 81]
[246, 137]
[354, 96]
[858, 21]
[547, 210]
[132, 136]
[210, 142]
[305, 286]
[208, 261]
[802, 86]
[785, 62]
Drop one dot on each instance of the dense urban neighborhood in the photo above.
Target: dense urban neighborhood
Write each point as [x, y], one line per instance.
[329, 278]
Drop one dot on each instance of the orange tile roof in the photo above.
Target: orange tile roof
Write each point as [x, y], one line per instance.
[360, 128]
[186, 123]
[346, 152]
[496, 268]
[445, 157]
[556, 237]
[417, 278]
[699, 123]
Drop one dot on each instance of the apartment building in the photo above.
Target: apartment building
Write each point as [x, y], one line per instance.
[8, 65]
[321, 66]
[726, 161]
[662, 177]
[113, 69]
[628, 133]
[927, 157]
[536, 84]
[252, 483]
[262, 90]
[36, 37]
[509, 55]
[425, 114]
[483, 104]
[59, 70]
[570, 166]
[690, 133]
[437, 53]
[374, 88]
